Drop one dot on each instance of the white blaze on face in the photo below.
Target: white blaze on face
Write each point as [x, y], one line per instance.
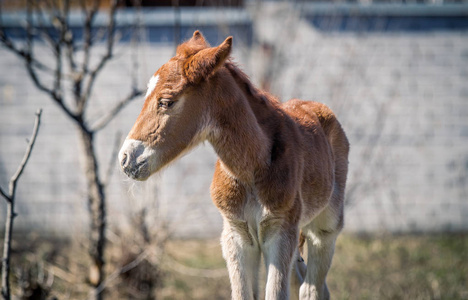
[151, 85]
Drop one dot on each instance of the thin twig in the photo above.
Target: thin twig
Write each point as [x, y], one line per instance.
[15, 50]
[87, 32]
[109, 53]
[11, 209]
[101, 123]
[42, 25]
[133, 264]
[9, 45]
[7, 197]
[20, 170]
[28, 57]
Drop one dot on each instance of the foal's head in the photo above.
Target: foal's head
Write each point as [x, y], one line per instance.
[175, 116]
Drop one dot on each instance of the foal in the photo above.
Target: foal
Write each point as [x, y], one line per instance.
[281, 168]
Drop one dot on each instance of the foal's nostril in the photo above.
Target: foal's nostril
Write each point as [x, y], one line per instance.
[124, 160]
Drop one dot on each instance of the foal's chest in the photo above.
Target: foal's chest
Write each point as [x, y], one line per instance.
[240, 205]
[249, 215]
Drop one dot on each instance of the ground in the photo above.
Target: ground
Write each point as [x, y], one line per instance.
[364, 267]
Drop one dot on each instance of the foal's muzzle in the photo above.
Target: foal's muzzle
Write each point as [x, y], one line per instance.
[134, 158]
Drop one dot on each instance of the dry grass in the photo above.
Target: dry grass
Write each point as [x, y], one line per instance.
[378, 267]
[400, 267]
[388, 267]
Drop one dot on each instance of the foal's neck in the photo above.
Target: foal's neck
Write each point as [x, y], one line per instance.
[242, 143]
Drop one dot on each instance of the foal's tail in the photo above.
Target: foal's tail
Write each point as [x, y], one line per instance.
[302, 240]
[338, 141]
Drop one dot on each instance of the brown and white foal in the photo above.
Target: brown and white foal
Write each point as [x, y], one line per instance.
[281, 169]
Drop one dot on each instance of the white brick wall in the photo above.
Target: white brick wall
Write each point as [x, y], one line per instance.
[402, 98]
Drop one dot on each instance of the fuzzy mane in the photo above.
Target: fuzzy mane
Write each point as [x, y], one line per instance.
[246, 85]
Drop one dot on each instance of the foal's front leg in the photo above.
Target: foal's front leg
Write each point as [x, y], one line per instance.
[242, 255]
[279, 246]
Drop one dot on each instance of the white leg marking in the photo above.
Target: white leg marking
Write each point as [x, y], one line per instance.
[320, 253]
[279, 249]
[321, 235]
[242, 256]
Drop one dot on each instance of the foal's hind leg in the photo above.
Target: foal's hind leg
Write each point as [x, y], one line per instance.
[298, 276]
[321, 235]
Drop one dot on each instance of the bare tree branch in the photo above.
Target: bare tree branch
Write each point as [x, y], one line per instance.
[7, 198]
[11, 209]
[135, 91]
[42, 26]
[9, 44]
[101, 123]
[104, 59]
[58, 36]
[21, 53]
[133, 264]
[54, 93]
[27, 53]
[68, 37]
[20, 170]
[87, 32]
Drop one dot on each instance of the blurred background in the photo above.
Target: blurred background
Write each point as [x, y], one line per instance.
[394, 72]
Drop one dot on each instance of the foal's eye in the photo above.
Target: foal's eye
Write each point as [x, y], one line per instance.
[165, 103]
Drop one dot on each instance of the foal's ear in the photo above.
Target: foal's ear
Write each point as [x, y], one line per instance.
[207, 61]
[199, 39]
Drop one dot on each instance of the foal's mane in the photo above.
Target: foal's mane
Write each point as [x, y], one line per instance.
[246, 85]
[325, 116]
